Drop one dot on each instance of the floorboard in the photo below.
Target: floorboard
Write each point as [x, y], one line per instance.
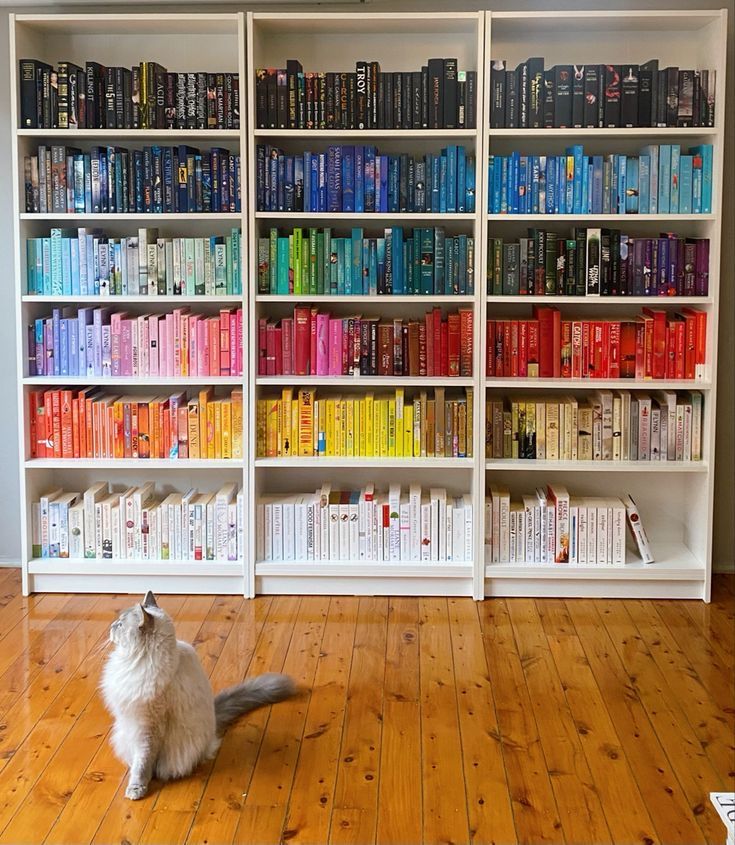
[418, 721]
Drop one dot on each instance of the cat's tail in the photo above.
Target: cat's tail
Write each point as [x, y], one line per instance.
[265, 689]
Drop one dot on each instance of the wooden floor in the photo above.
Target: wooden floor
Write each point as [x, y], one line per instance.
[423, 720]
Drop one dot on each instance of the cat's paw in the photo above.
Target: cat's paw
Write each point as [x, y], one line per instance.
[136, 791]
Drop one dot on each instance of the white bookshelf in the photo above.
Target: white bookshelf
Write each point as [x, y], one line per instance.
[675, 499]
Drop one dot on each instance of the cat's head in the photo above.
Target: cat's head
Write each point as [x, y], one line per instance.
[141, 625]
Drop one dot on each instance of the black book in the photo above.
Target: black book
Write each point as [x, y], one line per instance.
[601, 95]
[120, 98]
[580, 236]
[629, 96]
[511, 99]
[361, 106]
[282, 99]
[201, 100]
[30, 75]
[406, 100]
[351, 97]
[272, 99]
[397, 99]
[424, 97]
[76, 99]
[94, 73]
[577, 96]
[388, 101]
[672, 95]
[368, 95]
[212, 117]
[181, 101]
[381, 101]
[261, 98]
[329, 102]
[497, 94]
[615, 262]
[340, 115]
[535, 95]
[450, 93]
[549, 86]
[171, 100]
[436, 93]
[522, 88]
[612, 95]
[110, 118]
[461, 99]
[416, 99]
[685, 112]
[647, 89]
[373, 78]
[51, 98]
[161, 96]
[471, 120]
[562, 96]
[591, 84]
[293, 69]
[697, 98]
[67, 70]
[605, 263]
[661, 98]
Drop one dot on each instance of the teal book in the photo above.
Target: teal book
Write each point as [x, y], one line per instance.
[449, 269]
[652, 152]
[416, 263]
[236, 264]
[74, 256]
[674, 201]
[366, 265]
[356, 276]
[644, 184]
[451, 180]
[631, 185]
[46, 266]
[685, 184]
[328, 263]
[664, 179]
[399, 275]
[57, 278]
[705, 151]
[340, 244]
[282, 263]
[373, 267]
[462, 263]
[427, 262]
[439, 238]
[382, 249]
[408, 263]
[31, 267]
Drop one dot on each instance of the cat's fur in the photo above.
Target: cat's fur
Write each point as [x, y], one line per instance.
[166, 719]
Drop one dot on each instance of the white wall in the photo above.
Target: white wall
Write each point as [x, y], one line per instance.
[724, 518]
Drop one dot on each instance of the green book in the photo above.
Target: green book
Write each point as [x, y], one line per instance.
[297, 262]
[550, 265]
[273, 261]
[313, 252]
[264, 281]
[319, 263]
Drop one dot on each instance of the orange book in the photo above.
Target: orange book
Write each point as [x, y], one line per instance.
[195, 428]
[205, 396]
[144, 437]
[182, 432]
[109, 430]
[75, 428]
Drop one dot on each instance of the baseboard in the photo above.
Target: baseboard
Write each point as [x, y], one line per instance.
[9, 562]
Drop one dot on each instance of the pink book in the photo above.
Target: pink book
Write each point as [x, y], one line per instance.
[143, 345]
[116, 327]
[178, 312]
[194, 347]
[235, 350]
[335, 347]
[126, 347]
[162, 346]
[287, 340]
[322, 344]
[153, 363]
[262, 368]
[224, 343]
[170, 350]
[202, 362]
[214, 347]
[135, 347]
[312, 342]
[239, 342]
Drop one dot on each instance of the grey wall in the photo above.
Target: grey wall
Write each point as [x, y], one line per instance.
[724, 516]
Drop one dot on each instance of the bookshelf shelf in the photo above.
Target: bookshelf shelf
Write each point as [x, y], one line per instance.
[680, 509]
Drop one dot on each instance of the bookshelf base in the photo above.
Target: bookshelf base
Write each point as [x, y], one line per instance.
[593, 588]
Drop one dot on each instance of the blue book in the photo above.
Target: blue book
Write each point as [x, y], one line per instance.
[496, 185]
[314, 184]
[57, 278]
[451, 181]
[675, 156]
[393, 171]
[523, 186]
[321, 162]
[56, 325]
[685, 184]
[490, 182]
[399, 271]
[356, 262]
[87, 183]
[40, 348]
[435, 183]
[653, 152]
[461, 180]
[596, 205]
[644, 184]
[298, 184]
[370, 179]
[443, 175]
[565, 186]
[380, 250]
[460, 254]
[514, 176]
[280, 183]
[664, 179]
[334, 181]
[383, 192]
[705, 151]
[574, 195]
[75, 272]
[63, 327]
[631, 185]
[359, 178]
[348, 178]
[584, 205]
[31, 266]
[470, 185]
[622, 184]
[307, 170]
[288, 187]
[373, 266]
[365, 266]
[504, 185]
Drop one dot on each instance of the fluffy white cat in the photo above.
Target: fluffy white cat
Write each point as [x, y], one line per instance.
[167, 720]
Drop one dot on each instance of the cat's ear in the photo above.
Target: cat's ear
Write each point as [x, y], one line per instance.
[146, 620]
[149, 600]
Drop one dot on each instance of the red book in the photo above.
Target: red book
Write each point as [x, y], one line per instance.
[75, 427]
[287, 340]
[56, 421]
[346, 346]
[301, 340]
[556, 337]
[429, 335]
[312, 341]
[566, 349]
[444, 357]
[454, 342]
[36, 444]
[671, 350]
[680, 356]
[586, 348]
[596, 350]
[278, 347]
[499, 339]
[700, 340]
[658, 342]
[614, 341]
[270, 346]
[224, 342]
[514, 341]
[507, 348]
[490, 349]
[533, 348]
[640, 349]
[422, 349]
[437, 328]
[385, 349]
[467, 341]
[576, 349]
[262, 347]
[545, 317]
[627, 349]
[523, 348]
[605, 363]
[690, 344]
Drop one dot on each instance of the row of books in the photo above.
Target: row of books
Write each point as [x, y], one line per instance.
[438, 96]
[397, 526]
[297, 424]
[114, 344]
[87, 262]
[145, 96]
[598, 262]
[139, 523]
[551, 527]
[596, 96]
[606, 426]
[154, 180]
[421, 261]
[653, 345]
[661, 180]
[360, 179]
[314, 343]
[89, 423]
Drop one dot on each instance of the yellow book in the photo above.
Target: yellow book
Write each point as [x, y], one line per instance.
[384, 428]
[439, 421]
[210, 430]
[470, 420]
[330, 426]
[423, 399]
[343, 424]
[430, 427]
[339, 445]
[226, 428]
[400, 400]
[408, 431]
[361, 428]
[376, 427]
[218, 429]
[273, 410]
[286, 442]
[294, 427]
[236, 424]
[462, 428]
[205, 395]
[319, 442]
[369, 425]
[195, 429]
[350, 428]
[391, 428]
[417, 424]
[262, 425]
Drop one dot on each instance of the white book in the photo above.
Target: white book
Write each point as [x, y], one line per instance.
[76, 530]
[311, 530]
[573, 532]
[439, 496]
[155, 540]
[344, 531]
[541, 431]
[105, 507]
[617, 532]
[405, 529]
[644, 427]
[333, 538]
[695, 398]
[458, 529]
[625, 424]
[591, 533]
[617, 427]
[529, 506]
[634, 428]
[209, 531]
[636, 529]
[520, 534]
[301, 529]
[504, 524]
[687, 431]
[582, 533]
[655, 431]
[468, 527]
[414, 504]
[353, 526]
[667, 401]
[65, 502]
[394, 505]
[225, 496]
[601, 536]
[289, 522]
[426, 550]
[488, 528]
[236, 526]
[187, 524]
[116, 533]
[543, 532]
[277, 529]
[91, 496]
[268, 531]
[664, 435]
[512, 531]
[449, 530]
[596, 403]
[559, 499]
[679, 448]
[605, 399]
[495, 505]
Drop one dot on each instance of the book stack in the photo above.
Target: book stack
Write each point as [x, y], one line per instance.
[661, 180]
[551, 527]
[607, 426]
[88, 423]
[145, 96]
[312, 343]
[115, 180]
[421, 262]
[604, 262]
[113, 344]
[437, 96]
[297, 424]
[654, 345]
[400, 526]
[360, 179]
[138, 523]
[596, 96]
[86, 262]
